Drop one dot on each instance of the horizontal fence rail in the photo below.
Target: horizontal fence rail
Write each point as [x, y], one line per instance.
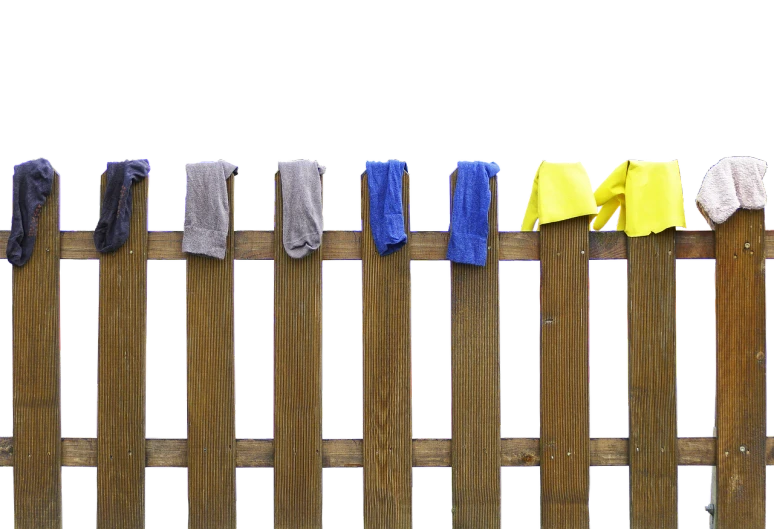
[348, 453]
[425, 245]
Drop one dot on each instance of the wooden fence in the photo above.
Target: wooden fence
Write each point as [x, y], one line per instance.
[387, 452]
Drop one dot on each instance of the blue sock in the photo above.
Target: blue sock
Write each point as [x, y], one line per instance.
[469, 226]
[385, 194]
[31, 186]
[113, 227]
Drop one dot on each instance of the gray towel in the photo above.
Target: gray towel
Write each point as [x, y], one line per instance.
[302, 222]
[207, 208]
[732, 183]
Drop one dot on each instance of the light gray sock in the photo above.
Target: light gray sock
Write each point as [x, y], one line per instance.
[302, 222]
[206, 208]
[732, 183]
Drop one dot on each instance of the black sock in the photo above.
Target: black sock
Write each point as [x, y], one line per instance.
[31, 186]
[113, 226]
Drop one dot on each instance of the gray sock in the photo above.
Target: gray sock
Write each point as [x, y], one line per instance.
[31, 186]
[112, 230]
[302, 222]
[207, 208]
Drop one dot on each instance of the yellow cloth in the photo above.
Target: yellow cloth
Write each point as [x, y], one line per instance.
[650, 195]
[560, 191]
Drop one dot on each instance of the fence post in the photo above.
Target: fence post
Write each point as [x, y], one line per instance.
[564, 374]
[121, 369]
[386, 376]
[475, 446]
[297, 384]
[740, 305]
[37, 468]
[211, 422]
[652, 381]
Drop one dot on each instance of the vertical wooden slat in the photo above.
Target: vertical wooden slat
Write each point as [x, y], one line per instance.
[37, 470]
[741, 371]
[211, 429]
[121, 370]
[475, 446]
[652, 382]
[297, 384]
[386, 377]
[564, 374]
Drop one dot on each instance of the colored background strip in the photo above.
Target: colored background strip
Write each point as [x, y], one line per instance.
[255, 348]
[167, 349]
[79, 337]
[431, 348]
[520, 335]
[341, 312]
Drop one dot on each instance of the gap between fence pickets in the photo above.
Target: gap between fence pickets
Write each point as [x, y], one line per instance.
[425, 245]
[348, 453]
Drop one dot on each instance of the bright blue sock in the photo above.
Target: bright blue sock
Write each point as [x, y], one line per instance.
[385, 199]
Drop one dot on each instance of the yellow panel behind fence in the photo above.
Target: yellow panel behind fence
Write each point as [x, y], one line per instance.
[431, 349]
[167, 349]
[520, 498]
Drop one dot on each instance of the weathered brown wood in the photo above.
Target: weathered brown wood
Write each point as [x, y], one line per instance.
[166, 453]
[652, 382]
[348, 453]
[564, 374]
[426, 245]
[211, 419]
[518, 245]
[297, 384]
[475, 353]
[37, 471]
[740, 304]
[386, 376]
[123, 277]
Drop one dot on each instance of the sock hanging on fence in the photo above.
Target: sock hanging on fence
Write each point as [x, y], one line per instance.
[469, 225]
[650, 195]
[113, 227]
[732, 183]
[207, 208]
[385, 199]
[31, 186]
[302, 222]
[560, 191]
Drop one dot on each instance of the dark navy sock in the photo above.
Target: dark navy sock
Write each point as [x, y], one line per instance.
[31, 186]
[113, 226]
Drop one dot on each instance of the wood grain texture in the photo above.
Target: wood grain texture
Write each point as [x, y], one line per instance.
[386, 377]
[123, 279]
[211, 419]
[475, 353]
[426, 245]
[297, 384]
[348, 453]
[37, 471]
[564, 374]
[740, 305]
[652, 382]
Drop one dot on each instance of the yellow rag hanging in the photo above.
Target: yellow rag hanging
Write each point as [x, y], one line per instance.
[649, 194]
[560, 191]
